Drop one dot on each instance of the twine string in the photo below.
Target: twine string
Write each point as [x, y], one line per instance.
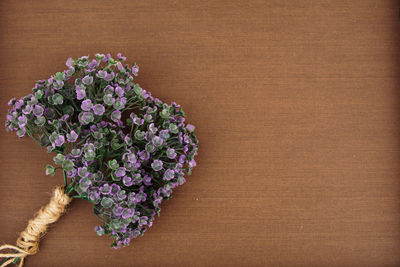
[28, 241]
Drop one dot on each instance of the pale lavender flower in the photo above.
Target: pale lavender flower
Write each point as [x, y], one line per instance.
[22, 121]
[85, 118]
[72, 136]
[98, 109]
[192, 163]
[101, 74]
[87, 80]
[171, 153]
[169, 175]
[157, 165]
[120, 57]
[108, 99]
[135, 70]
[119, 91]
[120, 172]
[59, 141]
[127, 181]
[58, 85]
[69, 63]
[80, 92]
[157, 141]
[110, 76]
[116, 115]
[120, 67]
[87, 105]
[190, 127]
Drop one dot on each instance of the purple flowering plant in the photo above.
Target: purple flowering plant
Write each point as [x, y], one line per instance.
[117, 146]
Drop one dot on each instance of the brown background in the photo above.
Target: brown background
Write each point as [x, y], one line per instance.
[297, 108]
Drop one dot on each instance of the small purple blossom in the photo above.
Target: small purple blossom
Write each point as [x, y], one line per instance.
[169, 174]
[120, 172]
[98, 109]
[69, 63]
[135, 70]
[171, 153]
[120, 57]
[59, 141]
[190, 127]
[101, 74]
[88, 80]
[110, 76]
[85, 118]
[80, 92]
[87, 105]
[157, 165]
[116, 115]
[38, 110]
[22, 121]
[72, 136]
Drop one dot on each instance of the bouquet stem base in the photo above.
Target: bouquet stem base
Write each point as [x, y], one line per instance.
[28, 241]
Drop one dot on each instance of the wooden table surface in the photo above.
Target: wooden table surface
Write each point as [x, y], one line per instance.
[296, 106]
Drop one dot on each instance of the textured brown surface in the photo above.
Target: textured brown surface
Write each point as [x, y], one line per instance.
[297, 108]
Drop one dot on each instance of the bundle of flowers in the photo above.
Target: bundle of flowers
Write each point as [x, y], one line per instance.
[118, 146]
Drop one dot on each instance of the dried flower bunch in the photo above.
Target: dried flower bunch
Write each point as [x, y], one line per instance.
[117, 146]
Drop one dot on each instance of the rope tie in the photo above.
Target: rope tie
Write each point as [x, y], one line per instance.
[28, 241]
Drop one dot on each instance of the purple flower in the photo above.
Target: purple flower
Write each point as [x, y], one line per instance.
[127, 213]
[69, 63]
[22, 121]
[105, 189]
[144, 155]
[192, 163]
[98, 109]
[116, 115]
[157, 141]
[59, 141]
[38, 111]
[135, 70]
[129, 157]
[106, 202]
[117, 210]
[115, 189]
[87, 105]
[171, 153]
[83, 172]
[21, 132]
[120, 67]
[119, 91]
[190, 127]
[164, 134]
[108, 99]
[120, 172]
[169, 175]
[182, 159]
[80, 92]
[152, 128]
[72, 136]
[110, 76]
[157, 165]
[93, 64]
[85, 118]
[87, 80]
[11, 102]
[101, 74]
[127, 181]
[27, 110]
[120, 57]
[58, 84]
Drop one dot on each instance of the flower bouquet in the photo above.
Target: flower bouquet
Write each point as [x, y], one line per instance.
[117, 146]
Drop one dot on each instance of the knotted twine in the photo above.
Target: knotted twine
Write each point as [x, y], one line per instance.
[28, 241]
